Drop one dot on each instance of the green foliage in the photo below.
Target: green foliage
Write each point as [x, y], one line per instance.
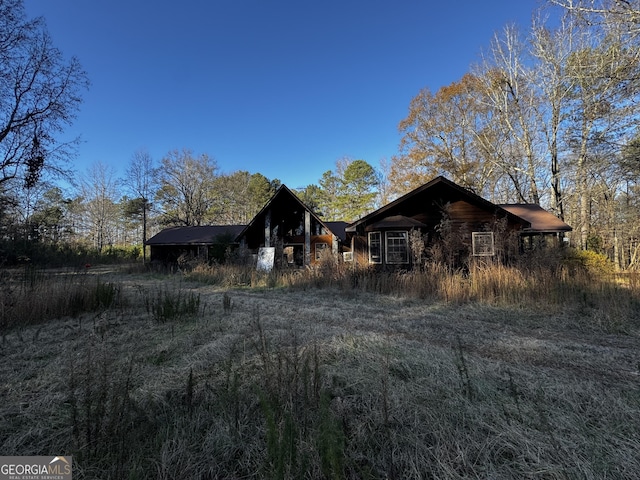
[46, 222]
[281, 440]
[331, 440]
[590, 262]
[594, 243]
[223, 248]
[350, 192]
[312, 197]
[104, 295]
[102, 413]
[113, 254]
[135, 208]
[76, 255]
[87, 297]
[260, 189]
[357, 190]
[284, 437]
[329, 185]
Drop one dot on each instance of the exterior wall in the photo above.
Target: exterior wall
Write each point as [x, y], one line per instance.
[360, 250]
[308, 253]
[461, 219]
[464, 215]
[298, 234]
[320, 239]
[456, 222]
[171, 253]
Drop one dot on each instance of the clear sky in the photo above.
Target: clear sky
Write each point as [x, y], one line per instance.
[279, 87]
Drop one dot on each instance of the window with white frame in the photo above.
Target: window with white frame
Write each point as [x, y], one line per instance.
[320, 249]
[375, 247]
[397, 247]
[482, 244]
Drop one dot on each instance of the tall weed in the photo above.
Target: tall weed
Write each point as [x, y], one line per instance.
[32, 296]
[531, 280]
[165, 303]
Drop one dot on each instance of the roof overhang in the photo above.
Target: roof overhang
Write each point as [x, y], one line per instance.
[541, 220]
[194, 235]
[395, 221]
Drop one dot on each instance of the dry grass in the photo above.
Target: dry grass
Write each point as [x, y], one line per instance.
[334, 375]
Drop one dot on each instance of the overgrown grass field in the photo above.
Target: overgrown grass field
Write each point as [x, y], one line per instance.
[224, 372]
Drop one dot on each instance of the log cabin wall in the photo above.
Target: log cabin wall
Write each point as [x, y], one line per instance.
[443, 210]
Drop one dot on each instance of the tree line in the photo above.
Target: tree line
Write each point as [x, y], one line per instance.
[182, 189]
[548, 115]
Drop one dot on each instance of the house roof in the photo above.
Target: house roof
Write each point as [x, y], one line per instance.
[201, 235]
[280, 201]
[541, 220]
[338, 229]
[396, 221]
[438, 184]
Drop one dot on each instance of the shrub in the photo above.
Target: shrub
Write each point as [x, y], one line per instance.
[589, 262]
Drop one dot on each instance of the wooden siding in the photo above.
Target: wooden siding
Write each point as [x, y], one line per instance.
[361, 251]
[315, 239]
[431, 204]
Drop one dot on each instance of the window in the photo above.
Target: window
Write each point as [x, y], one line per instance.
[293, 255]
[375, 247]
[287, 254]
[482, 244]
[347, 256]
[320, 249]
[397, 247]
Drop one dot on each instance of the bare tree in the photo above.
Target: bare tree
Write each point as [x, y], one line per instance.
[187, 191]
[551, 50]
[603, 70]
[99, 190]
[600, 115]
[140, 179]
[39, 96]
[625, 13]
[513, 103]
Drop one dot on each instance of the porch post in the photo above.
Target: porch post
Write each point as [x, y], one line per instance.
[267, 228]
[353, 249]
[307, 237]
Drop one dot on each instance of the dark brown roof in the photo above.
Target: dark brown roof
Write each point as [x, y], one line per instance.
[437, 186]
[338, 229]
[540, 219]
[203, 235]
[396, 221]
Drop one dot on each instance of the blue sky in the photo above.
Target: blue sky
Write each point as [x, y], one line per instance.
[280, 87]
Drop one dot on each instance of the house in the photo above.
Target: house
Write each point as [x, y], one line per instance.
[450, 221]
[205, 242]
[299, 236]
[445, 214]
